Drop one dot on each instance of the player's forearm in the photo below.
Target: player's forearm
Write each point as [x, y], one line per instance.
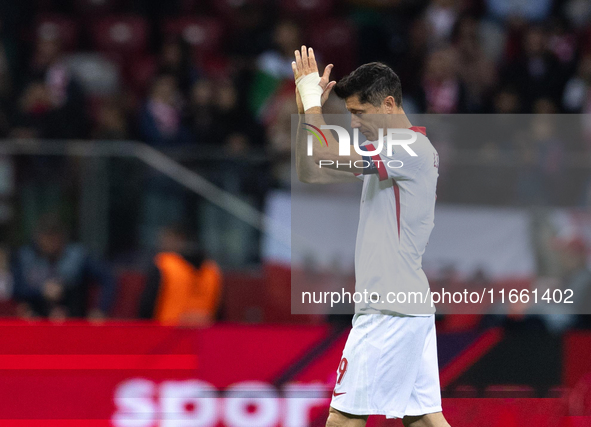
[314, 117]
[308, 171]
[329, 153]
[306, 168]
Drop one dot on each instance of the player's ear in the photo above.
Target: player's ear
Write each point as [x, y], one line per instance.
[389, 104]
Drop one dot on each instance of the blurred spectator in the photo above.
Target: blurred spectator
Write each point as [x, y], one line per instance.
[575, 272]
[562, 43]
[161, 126]
[183, 286]
[477, 72]
[160, 117]
[544, 106]
[576, 276]
[201, 111]
[507, 105]
[279, 137]
[97, 75]
[441, 16]
[411, 65]
[53, 277]
[536, 73]
[248, 30]
[274, 78]
[176, 59]
[444, 91]
[530, 10]
[41, 189]
[66, 100]
[231, 120]
[33, 113]
[111, 122]
[575, 98]
[578, 12]
[541, 180]
[506, 101]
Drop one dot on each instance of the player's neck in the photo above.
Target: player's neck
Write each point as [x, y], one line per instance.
[399, 120]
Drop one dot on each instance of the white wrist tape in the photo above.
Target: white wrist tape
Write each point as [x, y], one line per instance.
[310, 91]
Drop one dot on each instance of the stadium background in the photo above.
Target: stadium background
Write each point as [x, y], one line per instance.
[122, 118]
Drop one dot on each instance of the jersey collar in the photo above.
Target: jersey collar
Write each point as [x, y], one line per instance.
[419, 129]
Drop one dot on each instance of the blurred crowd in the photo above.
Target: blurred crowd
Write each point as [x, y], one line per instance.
[198, 73]
[192, 76]
[193, 73]
[54, 277]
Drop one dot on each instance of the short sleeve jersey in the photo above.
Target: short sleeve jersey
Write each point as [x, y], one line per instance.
[396, 219]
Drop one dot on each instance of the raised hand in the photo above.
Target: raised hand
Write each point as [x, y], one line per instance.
[305, 64]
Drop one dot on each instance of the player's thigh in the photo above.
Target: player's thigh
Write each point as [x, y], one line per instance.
[429, 420]
[342, 419]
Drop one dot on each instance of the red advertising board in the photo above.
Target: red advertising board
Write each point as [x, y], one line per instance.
[144, 375]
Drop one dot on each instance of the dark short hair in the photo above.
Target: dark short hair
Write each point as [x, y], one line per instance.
[372, 83]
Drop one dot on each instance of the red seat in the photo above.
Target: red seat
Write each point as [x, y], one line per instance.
[57, 27]
[306, 9]
[335, 42]
[204, 34]
[121, 34]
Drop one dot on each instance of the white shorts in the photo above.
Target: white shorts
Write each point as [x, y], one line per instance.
[389, 367]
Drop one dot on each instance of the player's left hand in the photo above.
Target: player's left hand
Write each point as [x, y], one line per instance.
[304, 64]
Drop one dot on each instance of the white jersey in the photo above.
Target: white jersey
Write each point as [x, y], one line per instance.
[396, 219]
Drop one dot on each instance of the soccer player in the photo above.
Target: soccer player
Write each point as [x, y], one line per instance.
[389, 364]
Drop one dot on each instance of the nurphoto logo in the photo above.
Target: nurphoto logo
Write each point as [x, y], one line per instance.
[344, 140]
